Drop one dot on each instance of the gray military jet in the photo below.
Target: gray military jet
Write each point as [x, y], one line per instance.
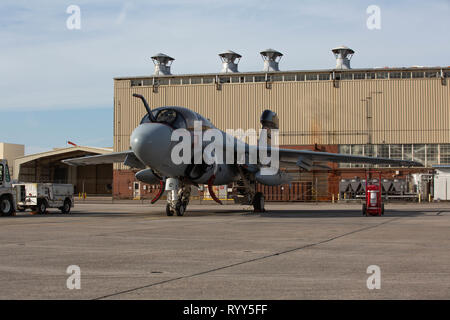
[153, 147]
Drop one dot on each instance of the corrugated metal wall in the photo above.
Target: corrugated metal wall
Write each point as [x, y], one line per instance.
[407, 110]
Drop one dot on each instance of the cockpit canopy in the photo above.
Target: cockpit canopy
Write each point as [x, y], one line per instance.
[177, 117]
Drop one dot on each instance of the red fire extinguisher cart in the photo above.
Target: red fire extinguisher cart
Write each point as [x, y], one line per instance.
[373, 204]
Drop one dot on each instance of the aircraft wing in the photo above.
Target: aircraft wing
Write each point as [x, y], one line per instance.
[127, 157]
[306, 158]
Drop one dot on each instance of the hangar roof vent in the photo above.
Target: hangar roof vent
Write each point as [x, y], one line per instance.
[271, 59]
[162, 64]
[343, 56]
[230, 60]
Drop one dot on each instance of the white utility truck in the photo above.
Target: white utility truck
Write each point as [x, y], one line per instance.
[35, 196]
[40, 196]
[7, 193]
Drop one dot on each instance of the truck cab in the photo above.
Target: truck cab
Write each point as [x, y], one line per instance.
[7, 196]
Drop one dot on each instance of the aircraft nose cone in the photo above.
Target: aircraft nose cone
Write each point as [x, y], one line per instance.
[151, 143]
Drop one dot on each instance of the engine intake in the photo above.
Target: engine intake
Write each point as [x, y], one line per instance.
[269, 120]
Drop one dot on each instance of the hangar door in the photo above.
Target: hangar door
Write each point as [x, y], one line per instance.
[95, 179]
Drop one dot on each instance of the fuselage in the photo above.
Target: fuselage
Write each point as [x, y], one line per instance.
[153, 143]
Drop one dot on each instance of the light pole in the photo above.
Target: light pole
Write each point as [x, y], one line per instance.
[369, 117]
[369, 147]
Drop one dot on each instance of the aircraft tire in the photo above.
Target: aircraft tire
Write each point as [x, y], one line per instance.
[169, 210]
[258, 202]
[180, 208]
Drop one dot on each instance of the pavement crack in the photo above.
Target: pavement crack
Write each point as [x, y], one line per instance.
[246, 261]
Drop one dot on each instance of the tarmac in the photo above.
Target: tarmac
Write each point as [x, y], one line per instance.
[132, 250]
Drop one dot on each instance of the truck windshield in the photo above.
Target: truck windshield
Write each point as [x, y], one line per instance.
[7, 177]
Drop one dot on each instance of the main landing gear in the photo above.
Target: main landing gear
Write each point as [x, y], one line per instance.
[177, 197]
[258, 202]
[246, 193]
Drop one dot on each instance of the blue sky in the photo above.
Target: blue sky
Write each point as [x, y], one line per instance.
[57, 84]
[41, 130]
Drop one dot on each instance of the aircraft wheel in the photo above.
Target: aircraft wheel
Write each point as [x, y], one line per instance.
[169, 210]
[364, 210]
[258, 202]
[382, 209]
[180, 208]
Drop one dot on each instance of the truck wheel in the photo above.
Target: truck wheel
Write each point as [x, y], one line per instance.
[6, 206]
[66, 206]
[41, 207]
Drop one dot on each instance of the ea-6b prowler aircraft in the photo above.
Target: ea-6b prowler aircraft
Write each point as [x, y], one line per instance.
[156, 150]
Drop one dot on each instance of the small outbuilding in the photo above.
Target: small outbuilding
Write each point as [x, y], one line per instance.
[442, 182]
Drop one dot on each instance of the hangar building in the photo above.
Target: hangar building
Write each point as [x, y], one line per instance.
[400, 113]
[47, 167]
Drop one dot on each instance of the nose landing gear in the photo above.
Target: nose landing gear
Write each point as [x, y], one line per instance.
[177, 198]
